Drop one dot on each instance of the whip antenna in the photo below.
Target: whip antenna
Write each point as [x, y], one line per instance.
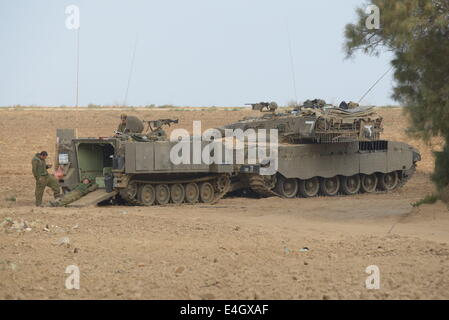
[130, 71]
[375, 83]
[77, 63]
[292, 65]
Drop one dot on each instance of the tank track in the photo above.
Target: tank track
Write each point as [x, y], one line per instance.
[406, 176]
[221, 185]
[265, 187]
[262, 185]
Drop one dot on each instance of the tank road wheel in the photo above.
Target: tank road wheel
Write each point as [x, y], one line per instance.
[388, 181]
[369, 183]
[309, 188]
[177, 193]
[207, 193]
[287, 188]
[330, 186]
[192, 193]
[130, 192]
[147, 195]
[162, 194]
[350, 185]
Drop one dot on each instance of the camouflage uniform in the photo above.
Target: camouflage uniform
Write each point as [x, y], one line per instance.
[315, 104]
[158, 134]
[78, 192]
[43, 179]
[353, 105]
[121, 127]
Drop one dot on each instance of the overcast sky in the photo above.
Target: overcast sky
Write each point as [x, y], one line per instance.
[189, 53]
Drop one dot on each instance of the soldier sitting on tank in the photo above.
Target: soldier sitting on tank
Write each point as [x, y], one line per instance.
[353, 105]
[347, 106]
[86, 186]
[122, 126]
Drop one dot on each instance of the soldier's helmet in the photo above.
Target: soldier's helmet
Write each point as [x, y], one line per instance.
[134, 125]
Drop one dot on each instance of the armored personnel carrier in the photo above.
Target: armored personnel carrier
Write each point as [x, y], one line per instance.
[326, 150]
[134, 167]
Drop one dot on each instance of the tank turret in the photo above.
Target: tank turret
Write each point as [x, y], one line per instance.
[316, 122]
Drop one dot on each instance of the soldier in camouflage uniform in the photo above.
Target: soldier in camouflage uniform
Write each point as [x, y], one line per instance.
[122, 126]
[314, 104]
[43, 179]
[85, 187]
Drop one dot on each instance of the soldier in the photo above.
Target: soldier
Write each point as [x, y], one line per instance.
[122, 126]
[86, 186]
[314, 104]
[43, 179]
[353, 105]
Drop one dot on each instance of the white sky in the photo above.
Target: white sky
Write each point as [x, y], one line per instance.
[189, 53]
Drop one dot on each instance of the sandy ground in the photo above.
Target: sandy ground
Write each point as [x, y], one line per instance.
[238, 249]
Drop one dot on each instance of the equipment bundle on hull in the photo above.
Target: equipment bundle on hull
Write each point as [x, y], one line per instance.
[338, 125]
[321, 150]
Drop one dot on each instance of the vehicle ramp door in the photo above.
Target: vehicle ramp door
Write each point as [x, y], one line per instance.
[92, 198]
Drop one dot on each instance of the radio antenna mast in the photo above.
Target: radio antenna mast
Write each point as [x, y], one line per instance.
[375, 83]
[77, 63]
[292, 65]
[130, 71]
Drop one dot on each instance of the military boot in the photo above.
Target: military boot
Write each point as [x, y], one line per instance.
[55, 203]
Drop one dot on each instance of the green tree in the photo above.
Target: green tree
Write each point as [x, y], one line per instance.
[417, 33]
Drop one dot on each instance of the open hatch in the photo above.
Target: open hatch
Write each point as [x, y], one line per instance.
[95, 159]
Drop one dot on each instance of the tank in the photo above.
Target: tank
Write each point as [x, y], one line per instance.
[138, 163]
[326, 150]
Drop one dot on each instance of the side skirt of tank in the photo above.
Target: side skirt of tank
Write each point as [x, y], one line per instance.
[335, 169]
[345, 159]
[278, 185]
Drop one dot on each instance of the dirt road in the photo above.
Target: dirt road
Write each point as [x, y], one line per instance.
[239, 248]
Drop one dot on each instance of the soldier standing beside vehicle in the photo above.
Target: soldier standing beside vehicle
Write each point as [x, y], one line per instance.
[43, 179]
